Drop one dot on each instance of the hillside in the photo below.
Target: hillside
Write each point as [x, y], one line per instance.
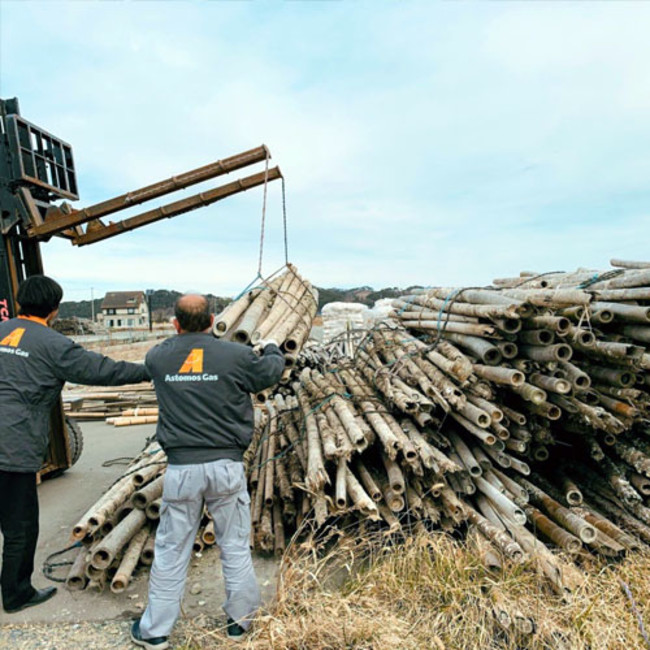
[162, 301]
[162, 304]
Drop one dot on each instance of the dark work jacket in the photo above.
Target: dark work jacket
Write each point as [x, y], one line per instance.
[204, 387]
[35, 362]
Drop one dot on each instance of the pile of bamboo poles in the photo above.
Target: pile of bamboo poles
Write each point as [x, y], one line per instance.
[117, 533]
[282, 309]
[518, 413]
[113, 530]
[124, 407]
[521, 411]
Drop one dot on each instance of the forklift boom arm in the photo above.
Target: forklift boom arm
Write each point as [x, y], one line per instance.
[60, 219]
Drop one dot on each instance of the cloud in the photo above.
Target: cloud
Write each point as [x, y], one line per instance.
[430, 143]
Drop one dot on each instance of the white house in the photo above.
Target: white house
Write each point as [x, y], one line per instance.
[124, 309]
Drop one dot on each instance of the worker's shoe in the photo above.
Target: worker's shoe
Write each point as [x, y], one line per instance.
[40, 596]
[155, 643]
[235, 631]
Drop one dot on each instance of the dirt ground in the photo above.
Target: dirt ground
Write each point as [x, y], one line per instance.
[135, 352]
[63, 501]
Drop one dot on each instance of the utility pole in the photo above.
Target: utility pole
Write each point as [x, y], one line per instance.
[92, 304]
[149, 293]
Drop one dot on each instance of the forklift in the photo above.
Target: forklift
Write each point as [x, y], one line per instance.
[36, 170]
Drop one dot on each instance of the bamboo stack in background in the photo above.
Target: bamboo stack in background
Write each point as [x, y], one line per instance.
[522, 411]
[112, 404]
[519, 412]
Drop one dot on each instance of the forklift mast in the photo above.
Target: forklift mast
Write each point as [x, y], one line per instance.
[36, 170]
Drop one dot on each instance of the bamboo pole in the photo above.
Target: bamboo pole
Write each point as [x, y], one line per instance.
[113, 543]
[76, 580]
[129, 561]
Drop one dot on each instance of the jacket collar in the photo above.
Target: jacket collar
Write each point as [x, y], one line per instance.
[35, 319]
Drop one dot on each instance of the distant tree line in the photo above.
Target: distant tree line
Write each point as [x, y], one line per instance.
[162, 301]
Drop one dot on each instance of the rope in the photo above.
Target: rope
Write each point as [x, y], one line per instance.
[635, 610]
[451, 296]
[284, 223]
[265, 281]
[303, 429]
[450, 299]
[263, 225]
[50, 567]
[116, 461]
[607, 275]
[135, 471]
[120, 460]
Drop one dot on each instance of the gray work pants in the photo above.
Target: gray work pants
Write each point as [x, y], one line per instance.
[222, 486]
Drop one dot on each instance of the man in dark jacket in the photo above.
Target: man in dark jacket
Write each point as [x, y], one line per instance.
[204, 387]
[35, 362]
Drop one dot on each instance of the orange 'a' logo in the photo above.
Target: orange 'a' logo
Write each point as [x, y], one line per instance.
[194, 362]
[13, 338]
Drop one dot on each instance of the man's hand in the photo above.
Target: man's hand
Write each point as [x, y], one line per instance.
[262, 343]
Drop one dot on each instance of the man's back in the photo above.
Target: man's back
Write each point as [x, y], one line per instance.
[35, 361]
[203, 387]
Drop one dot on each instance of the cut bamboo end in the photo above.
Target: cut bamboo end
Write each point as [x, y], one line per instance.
[76, 583]
[101, 559]
[79, 532]
[574, 497]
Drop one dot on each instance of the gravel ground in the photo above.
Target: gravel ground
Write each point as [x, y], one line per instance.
[67, 636]
[104, 635]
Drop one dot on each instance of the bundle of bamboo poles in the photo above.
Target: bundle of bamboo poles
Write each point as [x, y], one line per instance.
[137, 415]
[521, 411]
[137, 403]
[117, 533]
[282, 309]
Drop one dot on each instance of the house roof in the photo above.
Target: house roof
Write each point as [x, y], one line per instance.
[122, 299]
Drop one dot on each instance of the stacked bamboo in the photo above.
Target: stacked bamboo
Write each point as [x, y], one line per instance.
[282, 309]
[517, 412]
[521, 410]
[117, 533]
[133, 405]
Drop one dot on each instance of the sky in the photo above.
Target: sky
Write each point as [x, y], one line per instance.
[422, 142]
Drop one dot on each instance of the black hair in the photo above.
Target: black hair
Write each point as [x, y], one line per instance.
[194, 317]
[39, 295]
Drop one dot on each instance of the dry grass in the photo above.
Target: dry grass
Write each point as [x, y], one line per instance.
[432, 592]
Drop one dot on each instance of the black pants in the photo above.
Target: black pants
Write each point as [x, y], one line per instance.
[19, 525]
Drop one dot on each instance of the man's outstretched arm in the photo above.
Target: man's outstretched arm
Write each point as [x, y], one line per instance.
[76, 364]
